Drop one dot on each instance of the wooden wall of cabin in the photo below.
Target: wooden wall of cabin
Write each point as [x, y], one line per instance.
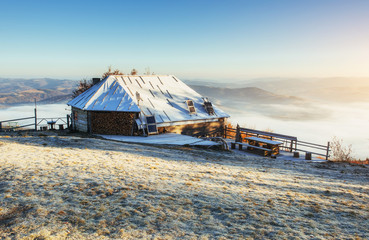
[112, 123]
[79, 120]
[197, 128]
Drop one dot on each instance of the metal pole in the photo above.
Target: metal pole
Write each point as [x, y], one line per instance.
[35, 115]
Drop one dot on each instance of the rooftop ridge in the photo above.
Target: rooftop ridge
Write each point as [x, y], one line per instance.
[143, 75]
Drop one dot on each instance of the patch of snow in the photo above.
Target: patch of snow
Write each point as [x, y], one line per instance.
[163, 139]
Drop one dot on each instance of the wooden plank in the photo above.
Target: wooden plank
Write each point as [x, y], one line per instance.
[251, 146]
[314, 144]
[269, 134]
[262, 140]
[17, 119]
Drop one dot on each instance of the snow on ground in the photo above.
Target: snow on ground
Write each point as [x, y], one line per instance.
[283, 155]
[162, 139]
[84, 188]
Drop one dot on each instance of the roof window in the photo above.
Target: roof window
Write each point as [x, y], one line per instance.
[208, 107]
[191, 107]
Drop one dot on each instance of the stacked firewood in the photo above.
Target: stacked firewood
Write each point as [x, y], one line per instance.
[112, 123]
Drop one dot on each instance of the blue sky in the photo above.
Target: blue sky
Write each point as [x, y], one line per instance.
[190, 39]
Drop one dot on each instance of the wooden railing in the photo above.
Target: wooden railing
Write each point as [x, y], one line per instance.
[51, 122]
[290, 143]
[43, 123]
[11, 127]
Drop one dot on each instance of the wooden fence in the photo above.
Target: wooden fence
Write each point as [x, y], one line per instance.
[41, 123]
[13, 124]
[290, 143]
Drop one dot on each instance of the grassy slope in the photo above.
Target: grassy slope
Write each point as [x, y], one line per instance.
[88, 188]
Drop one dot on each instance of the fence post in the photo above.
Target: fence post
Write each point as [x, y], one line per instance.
[68, 120]
[225, 131]
[238, 134]
[291, 147]
[1, 128]
[327, 156]
[35, 119]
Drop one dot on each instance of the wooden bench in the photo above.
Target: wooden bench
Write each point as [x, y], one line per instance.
[286, 138]
[265, 143]
[250, 147]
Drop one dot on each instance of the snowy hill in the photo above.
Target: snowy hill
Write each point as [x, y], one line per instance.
[85, 188]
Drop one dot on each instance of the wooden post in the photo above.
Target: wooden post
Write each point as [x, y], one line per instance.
[238, 134]
[89, 130]
[291, 147]
[225, 131]
[35, 119]
[1, 128]
[68, 120]
[327, 156]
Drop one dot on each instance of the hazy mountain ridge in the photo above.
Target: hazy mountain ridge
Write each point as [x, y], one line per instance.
[332, 90]
[47, 90]
[18, 91]
[246, 94]
[280, 91]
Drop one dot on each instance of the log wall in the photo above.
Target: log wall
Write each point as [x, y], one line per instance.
[112, 123]
[80, 120]
[121, 123]
[191, 129]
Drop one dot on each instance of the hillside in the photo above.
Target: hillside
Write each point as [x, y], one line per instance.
[332, 90]
[246, 94]
[17, 91]
[85, 188]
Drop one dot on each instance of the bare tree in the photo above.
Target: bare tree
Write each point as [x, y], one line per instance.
[134, 72]
[83, 85]
[340, 153]
[111, 72]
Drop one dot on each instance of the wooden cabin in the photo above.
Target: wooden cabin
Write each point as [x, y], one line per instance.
[144, 105]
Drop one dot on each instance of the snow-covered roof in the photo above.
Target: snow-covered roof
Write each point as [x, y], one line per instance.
[162, 96]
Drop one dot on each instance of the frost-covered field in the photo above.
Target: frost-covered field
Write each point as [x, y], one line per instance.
[61, 187]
